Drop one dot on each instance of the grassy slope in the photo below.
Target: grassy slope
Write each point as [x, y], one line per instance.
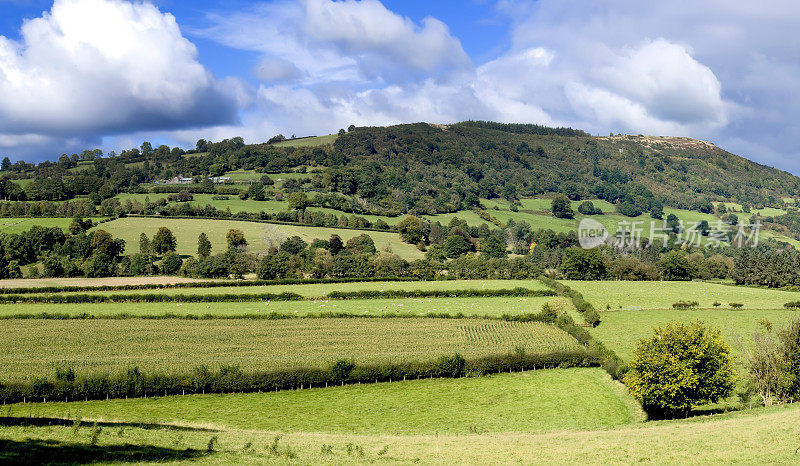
[533, 401]
[375, 307]
[186, 232]
[32, 347]
[309, 142]
[10, 225]
[762, 436]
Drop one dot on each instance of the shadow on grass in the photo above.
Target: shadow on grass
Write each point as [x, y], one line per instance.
[33, 451]
[15, 421]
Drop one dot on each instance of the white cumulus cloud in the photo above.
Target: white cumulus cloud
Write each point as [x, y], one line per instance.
[88, 68]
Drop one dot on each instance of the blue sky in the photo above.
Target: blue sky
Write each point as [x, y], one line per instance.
[78, 74]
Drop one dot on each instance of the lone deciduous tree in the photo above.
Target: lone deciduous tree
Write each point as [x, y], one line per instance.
[681, 366]
[203, 245]
[164, 241]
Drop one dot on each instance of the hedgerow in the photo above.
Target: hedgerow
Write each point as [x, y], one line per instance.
[394, 294]
[586, 309]
[683, 305]
[246, 297]
[67, 385]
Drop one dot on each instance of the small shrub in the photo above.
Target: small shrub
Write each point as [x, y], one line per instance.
[737, 305]
[792, 306]
[272, 449]
[96, 430]
[717, 304]
[683, 305]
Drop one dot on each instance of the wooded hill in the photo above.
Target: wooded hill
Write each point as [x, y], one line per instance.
[425, 169]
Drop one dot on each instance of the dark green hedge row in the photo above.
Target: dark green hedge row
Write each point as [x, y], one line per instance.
[148, 298]
[795, 305]
[134, 383]
[394, 294]
[273, 316]
[588, 311]
[246, 297]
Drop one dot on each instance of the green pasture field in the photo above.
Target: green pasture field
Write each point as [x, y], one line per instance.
[532, 401]
[536, 211]
[468, 216]
[480, 307]
[622, 330]
[35, 347]
[630, 295]
[23, 182]
[10, 225]
[314, 290]
[636, 308]
[243, 175]
[771, 438]
[258, 235]
[238, 205]
[100, 281]
[195, 154]
[309, 142]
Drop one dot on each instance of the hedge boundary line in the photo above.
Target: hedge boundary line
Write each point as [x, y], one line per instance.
[532, 317]
[248, 297]
[133, 383]
[609, 360]
[586, 309]
[234, 217]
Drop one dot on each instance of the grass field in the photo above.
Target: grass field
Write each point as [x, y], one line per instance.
[33, 347]
[375, 307]
[532, 401]
[19, 224]
[314, 141]
[104, 281]
[258, 234]
[636, 308]
[661, 295]
[761, 436]
[621, 330]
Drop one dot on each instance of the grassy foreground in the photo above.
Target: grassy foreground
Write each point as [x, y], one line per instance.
[761, 436]
[31, 348]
